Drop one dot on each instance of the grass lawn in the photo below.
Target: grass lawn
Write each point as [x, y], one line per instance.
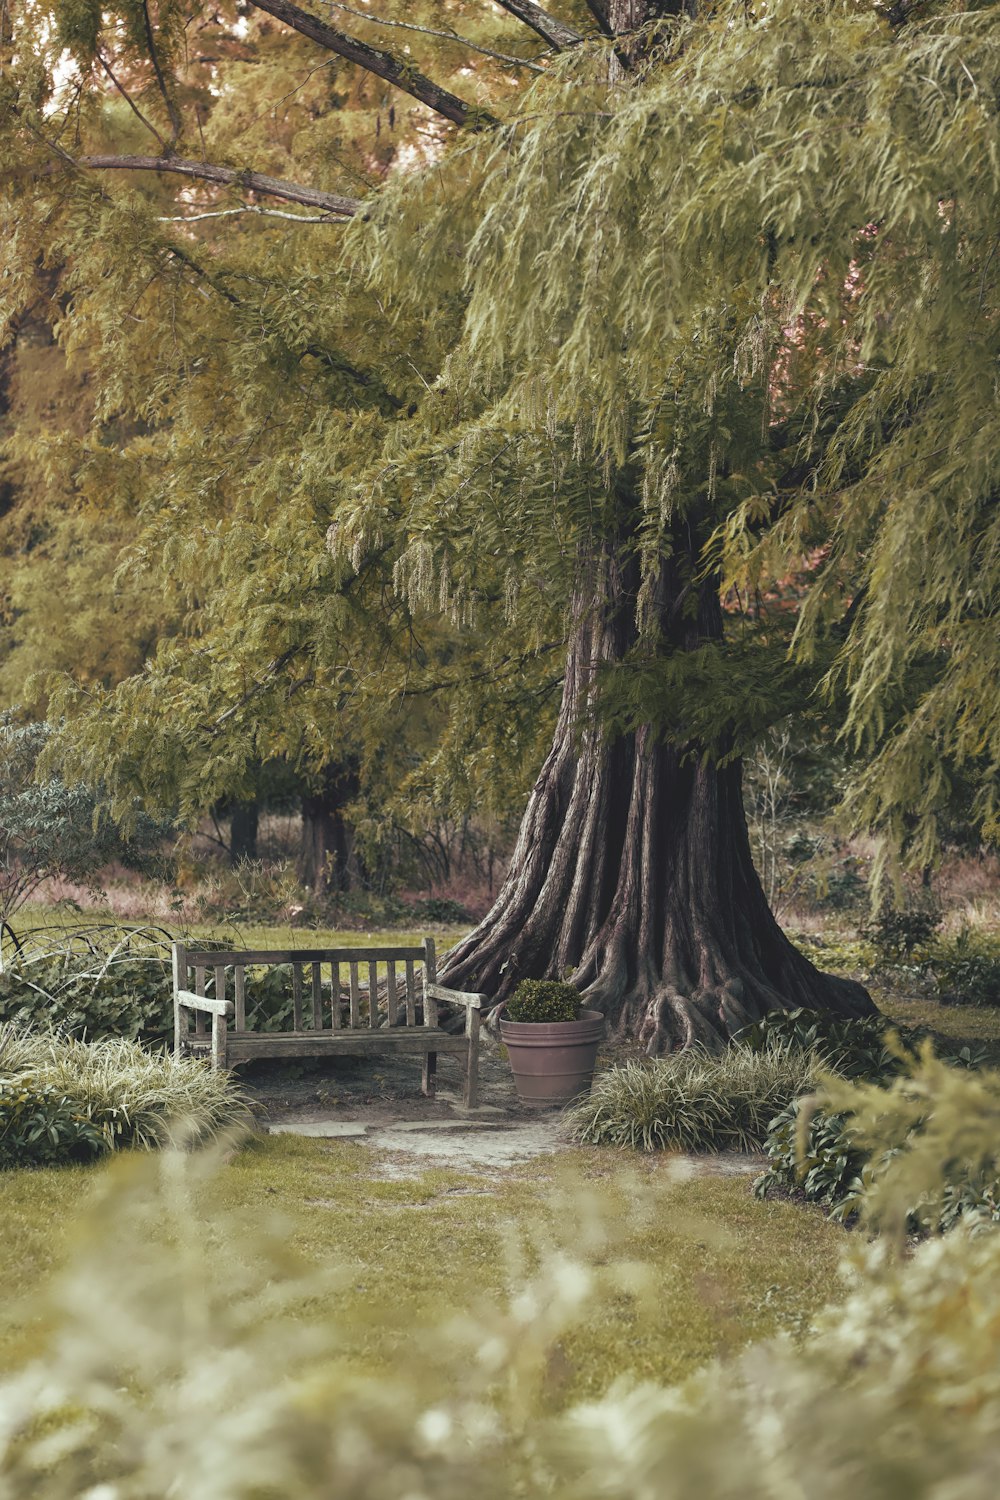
[959, 1023]
[724, 1269]
[60, 919]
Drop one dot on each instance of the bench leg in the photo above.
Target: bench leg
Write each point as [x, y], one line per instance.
[471, 1094]
[427, 1079]
[218, 1042]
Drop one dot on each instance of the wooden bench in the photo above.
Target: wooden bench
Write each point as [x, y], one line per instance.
[381, 1014]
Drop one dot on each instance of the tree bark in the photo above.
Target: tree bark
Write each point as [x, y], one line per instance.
[632, 875]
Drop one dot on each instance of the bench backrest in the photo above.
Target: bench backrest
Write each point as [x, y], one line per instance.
[379, 984]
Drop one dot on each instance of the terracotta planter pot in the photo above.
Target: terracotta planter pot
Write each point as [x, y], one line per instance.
[553, 1061]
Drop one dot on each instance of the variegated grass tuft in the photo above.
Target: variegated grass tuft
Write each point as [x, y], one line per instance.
[133, 1097]
[693, 1101]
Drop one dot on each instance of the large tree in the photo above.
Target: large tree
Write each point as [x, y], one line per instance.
[667, 297]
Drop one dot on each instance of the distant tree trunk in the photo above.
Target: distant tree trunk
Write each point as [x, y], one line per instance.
[243, 822]
[632, 873]
[328, 860]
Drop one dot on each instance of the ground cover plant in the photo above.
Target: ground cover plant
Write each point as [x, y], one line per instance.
[834, 1148]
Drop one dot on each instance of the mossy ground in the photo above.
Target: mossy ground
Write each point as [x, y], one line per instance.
[724, 1269]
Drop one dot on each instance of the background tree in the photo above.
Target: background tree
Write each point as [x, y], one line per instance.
[50, 829]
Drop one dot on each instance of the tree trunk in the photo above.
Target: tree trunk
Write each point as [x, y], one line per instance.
[243, 823]
[328, 861]
[632, 874]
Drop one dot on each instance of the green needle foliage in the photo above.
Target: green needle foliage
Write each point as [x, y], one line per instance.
[726, 296]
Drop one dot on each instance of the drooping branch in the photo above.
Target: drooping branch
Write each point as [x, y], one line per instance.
[549, 28]
[398, 71]
[204, 171]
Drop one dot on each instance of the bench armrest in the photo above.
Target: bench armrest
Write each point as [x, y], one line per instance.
[456, 997]
[190, 1001]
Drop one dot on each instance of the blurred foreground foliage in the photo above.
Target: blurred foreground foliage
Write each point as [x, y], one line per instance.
[172, 1364]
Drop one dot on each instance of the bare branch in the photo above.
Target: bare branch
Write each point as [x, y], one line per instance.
[253, 182]
[248, 208]
[600, 10]
[129, 100]
[397, 71]
[175, 119]
[549, 28]
[448, 36]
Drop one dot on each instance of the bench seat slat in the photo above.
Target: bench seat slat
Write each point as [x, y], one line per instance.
[415, 1041]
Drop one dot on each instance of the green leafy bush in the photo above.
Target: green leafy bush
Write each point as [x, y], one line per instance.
[811, 1154]
[91, 996]
[966, 968]
[40, 1127]
[855, 1047]
[115, 982]
[897, 933]
[440, 909]
[48, 827]
[836, 1157]
[693, 1101]
[543, 1000]
[63, 1100]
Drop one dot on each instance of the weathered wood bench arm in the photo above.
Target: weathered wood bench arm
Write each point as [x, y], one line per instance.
[435, 994]
[456, 997]
[219, 1010]
[190, 1001]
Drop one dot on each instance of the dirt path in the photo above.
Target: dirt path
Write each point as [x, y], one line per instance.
[378, 1102]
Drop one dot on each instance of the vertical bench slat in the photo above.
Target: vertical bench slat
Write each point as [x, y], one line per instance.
[199, 989]
[296, 997]
[373, 995]
[411, 994]
[335, 996]
[182, 1018]
[240, 980]
[355, 996]
[430, 1016]
[220, 981]
[391, 997]
[317, 998]
[430, 977]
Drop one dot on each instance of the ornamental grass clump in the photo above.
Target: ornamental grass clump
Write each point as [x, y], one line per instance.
[65, 1100]
[694, 1101]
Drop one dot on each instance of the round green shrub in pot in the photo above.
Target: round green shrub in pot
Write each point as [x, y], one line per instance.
[552, 1043]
